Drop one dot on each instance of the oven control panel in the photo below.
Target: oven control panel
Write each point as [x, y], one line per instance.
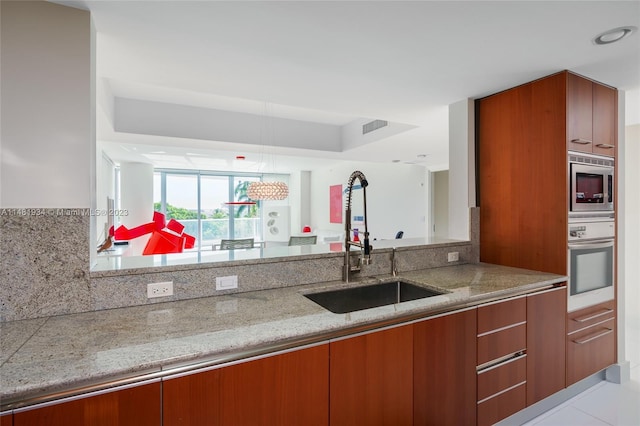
[591, 230]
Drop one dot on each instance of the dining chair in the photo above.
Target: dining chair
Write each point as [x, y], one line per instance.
[236, 244]
[303, 241]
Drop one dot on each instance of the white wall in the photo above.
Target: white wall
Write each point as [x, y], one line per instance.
[47, 130]
[136, 197]
[461, 167]
[164, 119]
[105, 187]
[292, 202]
[629, 236]
[441, 204]
[396, 198]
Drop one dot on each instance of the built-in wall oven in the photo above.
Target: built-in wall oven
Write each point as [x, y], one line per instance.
[591, 262]
[591, 183]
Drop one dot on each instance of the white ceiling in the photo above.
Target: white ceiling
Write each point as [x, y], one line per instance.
[335, 63]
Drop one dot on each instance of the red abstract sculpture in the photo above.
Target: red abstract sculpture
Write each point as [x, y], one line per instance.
[165, 237]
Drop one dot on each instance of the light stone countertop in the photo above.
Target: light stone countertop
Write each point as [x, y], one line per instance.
[41, 357]
[116, 265]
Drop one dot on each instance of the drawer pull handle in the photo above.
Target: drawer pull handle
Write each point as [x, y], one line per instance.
[502, 391]
[594, 337]
[605, 146]
[593, 316]
[581, 141]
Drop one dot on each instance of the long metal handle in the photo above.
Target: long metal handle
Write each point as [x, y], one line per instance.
[594, 337]
[581, 141]
[605, 145]
[594, 316]
[595, 244]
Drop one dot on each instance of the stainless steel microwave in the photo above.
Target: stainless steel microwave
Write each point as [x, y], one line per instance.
[591, 183]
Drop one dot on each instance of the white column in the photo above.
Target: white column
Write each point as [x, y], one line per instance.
[47, 131]
[461, 168]
[305, 200]
[136, 197]
[626, 221]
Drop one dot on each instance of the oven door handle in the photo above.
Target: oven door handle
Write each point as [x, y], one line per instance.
[592, 244]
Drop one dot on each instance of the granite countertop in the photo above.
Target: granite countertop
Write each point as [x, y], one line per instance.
[109, 264]
[44, 356]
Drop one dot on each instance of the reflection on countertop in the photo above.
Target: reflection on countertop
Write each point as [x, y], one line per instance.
[113, 261]
[62, 353]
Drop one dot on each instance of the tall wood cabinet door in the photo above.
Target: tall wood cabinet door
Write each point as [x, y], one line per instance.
[522, 156]
[546, 350]
[579, 113]
[135, 406]
[372, 379]
[444, 354]
[286, 389]
[605, 107]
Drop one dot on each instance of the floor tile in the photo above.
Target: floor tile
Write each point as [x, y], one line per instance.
[605, 403]
[567, 416]
[613, 404]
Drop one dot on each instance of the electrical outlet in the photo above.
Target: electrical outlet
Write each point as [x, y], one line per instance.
[160, 289]
[454, 256]
[226, 283]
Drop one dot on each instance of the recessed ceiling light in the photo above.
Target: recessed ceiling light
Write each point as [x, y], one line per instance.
[614, 35]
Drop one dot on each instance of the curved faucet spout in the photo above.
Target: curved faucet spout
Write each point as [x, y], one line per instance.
[364, 245]
[363, 183]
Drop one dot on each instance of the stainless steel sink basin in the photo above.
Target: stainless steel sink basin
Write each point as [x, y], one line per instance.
[370, 296]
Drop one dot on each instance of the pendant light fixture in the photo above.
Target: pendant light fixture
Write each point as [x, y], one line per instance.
[268, 191]
[276, 190]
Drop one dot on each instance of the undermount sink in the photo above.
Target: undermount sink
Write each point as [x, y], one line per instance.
[370, 296]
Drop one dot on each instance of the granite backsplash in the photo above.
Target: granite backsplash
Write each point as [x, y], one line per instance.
[45, 260]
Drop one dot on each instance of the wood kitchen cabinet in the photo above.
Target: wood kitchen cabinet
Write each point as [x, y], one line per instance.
[590, 340]
[546, 352]
[501, 359]
[522, 176]
[285, 389]
[591, 116]
[523, 135]
[444, 362]
[6, 419]
[522, 138]
[372, 378]
[579, 113]
[501, 329]
[133, 406]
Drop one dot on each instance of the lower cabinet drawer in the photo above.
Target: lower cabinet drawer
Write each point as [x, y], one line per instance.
[590, 350]
[505, 375]
[503, 405]
[495, 345]
[589, 316]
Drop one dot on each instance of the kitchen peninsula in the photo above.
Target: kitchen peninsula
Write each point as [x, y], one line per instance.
[61, 356]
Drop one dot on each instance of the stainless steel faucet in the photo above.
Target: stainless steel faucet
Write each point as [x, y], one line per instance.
[365, 248]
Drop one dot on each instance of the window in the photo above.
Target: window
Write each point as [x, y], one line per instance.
[200, 201]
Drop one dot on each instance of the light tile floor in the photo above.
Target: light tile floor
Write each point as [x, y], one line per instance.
[605, 403]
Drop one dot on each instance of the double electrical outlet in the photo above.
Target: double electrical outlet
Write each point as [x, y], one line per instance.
[163, 289]
[160, 289]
